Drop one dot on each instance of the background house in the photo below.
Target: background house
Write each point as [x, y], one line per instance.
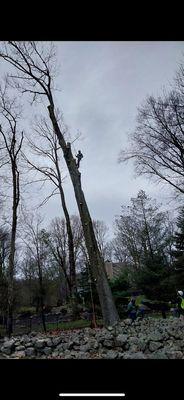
[113, 270]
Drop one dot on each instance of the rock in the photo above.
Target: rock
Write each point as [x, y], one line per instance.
[69, 354]
[81, 355]
[154, 346]
[93, 343]
[3, 356]
[55, 353]
[111, 354]
[17, 343]
[8, 347]
[56, 341]
[108, 343]
[19, 348]
[49, 343]
[156, 337]
[6, 339]
[25, 339]
[121, 340]
[30, 352]
[9, 344]
[133, 348]
[92, 332]
[61, 348]
[159, 355]
[6, 351]
[138, 355]
[33, 333]
[174, 354]
[30, 344]
[126, 346]
[18, 354]
[181, 344]
[39, 344]
[178, 335]
[76, 341]
[99, 337]
[84, 348]
[108, 336]
[147, 338]
[47, 351]
[142, 344]
[70, 344]
[120, 355]
[110, 328]
[133, 340]
[128, 321]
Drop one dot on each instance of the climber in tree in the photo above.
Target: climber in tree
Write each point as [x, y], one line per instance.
[79, 158]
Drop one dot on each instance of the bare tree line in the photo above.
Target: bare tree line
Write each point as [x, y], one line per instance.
[33, 75]
[157, 147]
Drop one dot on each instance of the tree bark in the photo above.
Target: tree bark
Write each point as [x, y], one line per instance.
[15, 179]
[109, 311]
[73, 283]
[41, 301]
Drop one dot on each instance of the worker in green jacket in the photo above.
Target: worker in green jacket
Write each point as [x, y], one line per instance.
[180, 301]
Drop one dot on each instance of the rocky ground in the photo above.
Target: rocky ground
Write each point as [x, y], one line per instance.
[142, 339]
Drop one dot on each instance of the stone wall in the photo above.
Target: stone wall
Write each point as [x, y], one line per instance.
[142, 339]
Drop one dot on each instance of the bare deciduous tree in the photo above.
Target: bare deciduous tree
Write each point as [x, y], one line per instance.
[59, 248]
[101, 231]
[144, 232]
[11, 140]
[49, 151]
[157, 143]
[33, 64]
[35, 242]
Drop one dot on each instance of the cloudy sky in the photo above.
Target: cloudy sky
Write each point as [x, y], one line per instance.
[102, 84]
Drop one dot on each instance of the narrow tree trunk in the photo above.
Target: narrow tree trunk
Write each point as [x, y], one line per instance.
[1, 264]
[11, 267]
[109, 311]
[147, 231]
[73, 283]
[41, 297]
[42, 313]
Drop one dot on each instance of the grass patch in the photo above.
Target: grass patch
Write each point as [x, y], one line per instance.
[78, 324]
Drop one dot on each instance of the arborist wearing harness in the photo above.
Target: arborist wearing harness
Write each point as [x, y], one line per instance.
[79, 156]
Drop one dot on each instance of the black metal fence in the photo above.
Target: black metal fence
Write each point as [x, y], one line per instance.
[34, 323]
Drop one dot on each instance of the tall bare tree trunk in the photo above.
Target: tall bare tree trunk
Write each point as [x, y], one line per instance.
[73, 283]
[109, 311]
[11, 268]
[29, 62]
[41, 298]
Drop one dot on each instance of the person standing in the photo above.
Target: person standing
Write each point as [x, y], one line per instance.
[132, 310]
[180, 301]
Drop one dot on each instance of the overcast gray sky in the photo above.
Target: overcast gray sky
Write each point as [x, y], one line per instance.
[102, 85]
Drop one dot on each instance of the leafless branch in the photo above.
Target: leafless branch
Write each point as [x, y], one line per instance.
[54, 192]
